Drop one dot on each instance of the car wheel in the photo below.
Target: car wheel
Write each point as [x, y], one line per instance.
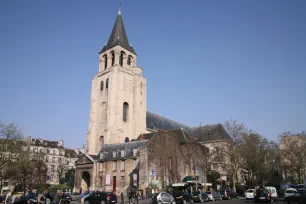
[229, 197]
[159, 202]
[87, 202]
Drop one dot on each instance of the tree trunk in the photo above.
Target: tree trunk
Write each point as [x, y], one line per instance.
[234, 181]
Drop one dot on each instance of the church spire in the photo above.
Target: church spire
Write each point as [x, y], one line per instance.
[118, 36]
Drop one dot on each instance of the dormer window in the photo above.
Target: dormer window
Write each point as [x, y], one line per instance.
[122, 153]
[114, 154]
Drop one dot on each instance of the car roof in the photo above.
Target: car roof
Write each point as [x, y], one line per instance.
[291, 189]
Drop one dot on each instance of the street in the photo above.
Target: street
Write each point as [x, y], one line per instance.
[234, 201]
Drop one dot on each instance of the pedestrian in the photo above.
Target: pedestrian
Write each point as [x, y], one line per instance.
[137, 197]
[41, 199]
[130, 197]
[122, 198]
[47, 197]
[57, 197]
[11, 196]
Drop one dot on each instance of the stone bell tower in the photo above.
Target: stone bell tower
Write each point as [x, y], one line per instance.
[118, 94]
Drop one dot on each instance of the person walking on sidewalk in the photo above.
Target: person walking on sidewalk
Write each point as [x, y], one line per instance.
[122, 198]
[130, 197]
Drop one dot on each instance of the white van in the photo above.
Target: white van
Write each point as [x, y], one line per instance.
[273, 192]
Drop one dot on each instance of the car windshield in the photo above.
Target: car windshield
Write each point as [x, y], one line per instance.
[262, 190]
[222, 192]
[290, 191]
[250, 191]
[208, 192]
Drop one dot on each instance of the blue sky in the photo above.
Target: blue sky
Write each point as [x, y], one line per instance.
[205, 62]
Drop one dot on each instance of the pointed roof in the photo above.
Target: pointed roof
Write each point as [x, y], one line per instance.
[118, 36]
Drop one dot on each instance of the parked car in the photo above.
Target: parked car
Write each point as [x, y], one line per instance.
[30, 197]
[228, 194]
[75, 196]
[196, 197]
[249, 194]
[98, 197]
[210, 196]
[163, 198]
[273, 191]
[182, 198]
[68, 197]
[297, 198]
[204, 197]
[86, 193]
[216, 195]
[2, 199]
[290, 192]
[262, 195]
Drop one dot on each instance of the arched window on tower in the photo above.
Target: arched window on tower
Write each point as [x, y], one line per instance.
[129, 60]
[121, 58]
[105, 61]
[125, 115]
[101, 141]
[113, 58]
[101, 86]
[106, 84]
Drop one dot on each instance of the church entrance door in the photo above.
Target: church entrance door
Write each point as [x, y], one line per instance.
[114, 183]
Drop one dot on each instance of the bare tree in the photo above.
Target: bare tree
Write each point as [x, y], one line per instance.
[10, 137]
[230, 155]
[62, 168]
[10, 145]
[293, 152]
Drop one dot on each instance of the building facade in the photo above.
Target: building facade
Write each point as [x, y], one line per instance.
[117, 157]
[57, 158]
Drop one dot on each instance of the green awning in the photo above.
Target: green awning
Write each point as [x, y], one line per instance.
[187, 178]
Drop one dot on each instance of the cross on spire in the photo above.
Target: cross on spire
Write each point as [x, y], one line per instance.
[120, 3]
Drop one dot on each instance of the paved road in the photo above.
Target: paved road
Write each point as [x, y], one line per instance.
[234, 201]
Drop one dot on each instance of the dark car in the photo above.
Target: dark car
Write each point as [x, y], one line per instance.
[30, 197]
[98, 197]
[228, 194]
[196, 197]
[204, 197]
[182, 197]
[262, 195]
[2, 198]
[297, 198]
[216, 195]
[68, 197]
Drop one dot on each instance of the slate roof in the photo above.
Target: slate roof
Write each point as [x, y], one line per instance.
[128, 147]
[210, 133]
[118, 36]
[45, 143]
[184, 136]
[155, 121]
[70, 153]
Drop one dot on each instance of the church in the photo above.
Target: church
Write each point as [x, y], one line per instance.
[127, 145]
